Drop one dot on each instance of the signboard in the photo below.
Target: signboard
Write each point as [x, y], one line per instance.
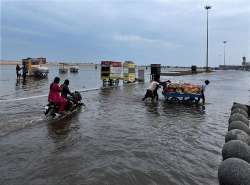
[116, 64]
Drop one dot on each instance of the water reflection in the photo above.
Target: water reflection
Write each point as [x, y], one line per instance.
[63, 76]
[152, 107]
[182, 109]
[119, 139]
[58, 129]
[31, 83]
[107, 91]
[130, 88]
[18, 81]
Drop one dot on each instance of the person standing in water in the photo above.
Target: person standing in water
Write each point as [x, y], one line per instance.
[203, 88]
[25, 71]
[18, 73]
[152, 89]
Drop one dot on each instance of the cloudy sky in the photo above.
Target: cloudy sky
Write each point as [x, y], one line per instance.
[170, 32]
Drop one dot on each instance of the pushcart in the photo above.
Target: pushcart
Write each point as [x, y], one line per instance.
[182, 97]
[188, 93]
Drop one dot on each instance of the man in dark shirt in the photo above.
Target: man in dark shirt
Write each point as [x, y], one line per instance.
[25, 71]
[65, 89]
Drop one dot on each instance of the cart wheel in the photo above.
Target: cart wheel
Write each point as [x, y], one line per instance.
[186, 100]
[116, 82]
[174, 99]
[110, 82]
[197, 101]
[190, 100]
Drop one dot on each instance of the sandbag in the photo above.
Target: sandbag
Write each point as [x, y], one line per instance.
[234, 171]
[241, 111]
[241, 106]
[237, 149]
[239, 117]
[239, 125]
[237, 134]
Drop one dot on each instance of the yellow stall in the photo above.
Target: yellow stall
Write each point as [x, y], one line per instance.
[111, 72]
[128, 72]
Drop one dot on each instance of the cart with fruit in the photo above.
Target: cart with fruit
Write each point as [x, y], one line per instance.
[183, 92]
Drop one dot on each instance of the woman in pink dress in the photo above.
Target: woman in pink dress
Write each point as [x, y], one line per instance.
[55, 97]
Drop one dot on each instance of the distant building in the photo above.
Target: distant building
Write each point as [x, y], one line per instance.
[244, 66]
[230, 67]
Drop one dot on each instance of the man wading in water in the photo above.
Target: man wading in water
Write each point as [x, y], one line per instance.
[203, 90]
[25, 71]
[18, 73]
[152, 89]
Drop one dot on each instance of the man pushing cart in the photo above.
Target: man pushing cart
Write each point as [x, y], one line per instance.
[185, 92]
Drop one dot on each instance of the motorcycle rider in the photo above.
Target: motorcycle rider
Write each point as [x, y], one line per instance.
[65, 89]
[71, 102]
[54, 95]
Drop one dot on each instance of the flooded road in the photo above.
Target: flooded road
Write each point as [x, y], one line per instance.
[117, 139]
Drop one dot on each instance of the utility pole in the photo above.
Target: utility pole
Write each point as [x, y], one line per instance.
[207, 8]
[224, 42]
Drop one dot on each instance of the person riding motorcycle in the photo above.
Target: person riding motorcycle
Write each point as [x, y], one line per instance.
[65, 89]
[54, 95]
[71, 101]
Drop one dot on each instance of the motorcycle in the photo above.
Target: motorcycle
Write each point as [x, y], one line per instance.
[74, 103]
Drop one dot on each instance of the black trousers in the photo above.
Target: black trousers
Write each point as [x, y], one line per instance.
[151, 94]
[203, 97]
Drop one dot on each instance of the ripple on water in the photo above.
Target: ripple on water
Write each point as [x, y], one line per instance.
[118, 139]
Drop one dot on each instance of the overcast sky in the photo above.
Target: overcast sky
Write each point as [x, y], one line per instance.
[170, 32]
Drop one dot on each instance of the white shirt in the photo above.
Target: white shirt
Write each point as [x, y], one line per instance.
[203, 87]
[153, 85]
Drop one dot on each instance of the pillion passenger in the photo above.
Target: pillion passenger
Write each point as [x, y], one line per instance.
[54, 95]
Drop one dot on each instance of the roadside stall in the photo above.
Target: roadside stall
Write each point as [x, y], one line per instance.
[36, 67]
[63, 68]
[141, 74]
[74, 68]
[128, 72]
[111, 72]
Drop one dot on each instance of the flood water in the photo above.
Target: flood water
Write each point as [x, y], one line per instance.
[117, 139]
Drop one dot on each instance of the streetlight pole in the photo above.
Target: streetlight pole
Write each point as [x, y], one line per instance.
[224, 42]
[207, 8]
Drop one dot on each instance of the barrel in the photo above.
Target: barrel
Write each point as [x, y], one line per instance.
[155, 70]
